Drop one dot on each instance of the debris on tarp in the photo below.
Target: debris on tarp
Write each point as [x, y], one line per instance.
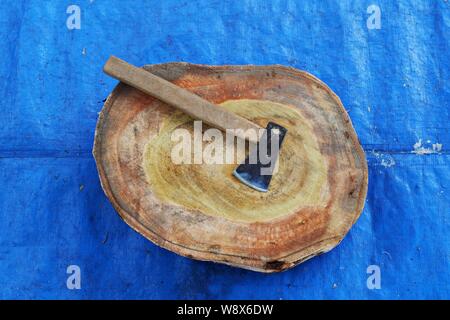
[426, 148]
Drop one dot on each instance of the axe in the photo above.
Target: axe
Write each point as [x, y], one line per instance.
[257, 169]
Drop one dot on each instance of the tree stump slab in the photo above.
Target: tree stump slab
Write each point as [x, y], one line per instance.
[200, 210]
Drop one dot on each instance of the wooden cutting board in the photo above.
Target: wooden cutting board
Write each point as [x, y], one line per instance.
[200, 210]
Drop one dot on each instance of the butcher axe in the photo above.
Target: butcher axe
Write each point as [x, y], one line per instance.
[257, 169]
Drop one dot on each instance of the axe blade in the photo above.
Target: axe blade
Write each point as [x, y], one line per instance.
[258, 174]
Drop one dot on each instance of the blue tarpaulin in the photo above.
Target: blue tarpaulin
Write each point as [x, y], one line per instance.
[390, 65]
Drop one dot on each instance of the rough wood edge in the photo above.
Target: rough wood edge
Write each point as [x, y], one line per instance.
[282, 264]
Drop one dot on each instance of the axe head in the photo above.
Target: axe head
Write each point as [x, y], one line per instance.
[257, 169]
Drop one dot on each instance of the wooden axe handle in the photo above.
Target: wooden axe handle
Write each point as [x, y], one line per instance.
[180, 98]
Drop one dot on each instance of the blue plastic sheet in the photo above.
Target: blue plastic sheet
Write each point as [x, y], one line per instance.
[393, 82]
